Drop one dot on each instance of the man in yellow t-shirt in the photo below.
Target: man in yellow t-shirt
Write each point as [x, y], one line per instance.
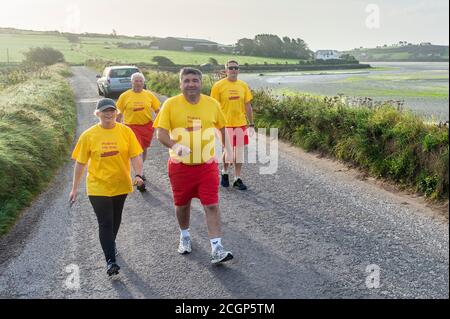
[235, 98]
[135, 109]
[107, 148]
[187, 124]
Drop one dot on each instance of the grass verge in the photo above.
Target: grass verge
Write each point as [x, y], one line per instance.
[37, 125]
[384, 141]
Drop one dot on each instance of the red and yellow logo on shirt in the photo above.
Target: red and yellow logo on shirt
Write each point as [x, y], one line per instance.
[232, 97]
[137, 108]
[109, 149]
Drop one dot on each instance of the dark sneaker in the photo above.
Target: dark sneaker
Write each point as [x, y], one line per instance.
[112, 268]
[225, 181]
[238, 184]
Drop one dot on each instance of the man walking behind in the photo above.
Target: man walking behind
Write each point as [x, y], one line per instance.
[234, 97]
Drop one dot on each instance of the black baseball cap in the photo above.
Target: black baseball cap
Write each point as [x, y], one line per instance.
[106, 103]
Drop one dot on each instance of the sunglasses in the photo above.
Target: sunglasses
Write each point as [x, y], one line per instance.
[233, 68]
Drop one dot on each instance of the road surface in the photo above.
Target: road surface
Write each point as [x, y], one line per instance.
[308, 231]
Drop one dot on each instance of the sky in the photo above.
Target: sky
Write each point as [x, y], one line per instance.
[322, 24]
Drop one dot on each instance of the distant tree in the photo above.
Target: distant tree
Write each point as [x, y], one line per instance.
[162, 61]
[245, 47]
[269, 45]
[349, 58]
[46, 56]
[72, 38]
[303, 51]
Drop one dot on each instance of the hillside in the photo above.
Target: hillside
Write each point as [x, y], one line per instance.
[13, 43]
[408, 53]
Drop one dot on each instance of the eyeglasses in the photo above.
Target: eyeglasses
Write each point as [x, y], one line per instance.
[233, 68]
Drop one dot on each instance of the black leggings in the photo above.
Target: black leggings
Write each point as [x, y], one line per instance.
[109, 215]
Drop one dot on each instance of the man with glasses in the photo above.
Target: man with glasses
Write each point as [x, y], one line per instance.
[234, 97]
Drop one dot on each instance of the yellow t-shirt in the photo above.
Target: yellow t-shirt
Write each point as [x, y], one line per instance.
[107, 153]
[232, 97]
[137, 107]
[192, 125]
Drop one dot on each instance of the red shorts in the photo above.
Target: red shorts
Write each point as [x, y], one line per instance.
[194, 181]
[144, 133]
[237, 135]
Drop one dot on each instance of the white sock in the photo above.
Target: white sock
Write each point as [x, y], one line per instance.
[224, 171]
[185, 232]
[236, 178]
[215, 242]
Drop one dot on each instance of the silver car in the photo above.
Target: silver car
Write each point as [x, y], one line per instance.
[115, 80]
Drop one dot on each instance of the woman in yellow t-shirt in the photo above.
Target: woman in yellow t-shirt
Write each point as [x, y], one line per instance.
[107, 149]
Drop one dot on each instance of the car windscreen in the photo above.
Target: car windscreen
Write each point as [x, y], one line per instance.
[122, 73]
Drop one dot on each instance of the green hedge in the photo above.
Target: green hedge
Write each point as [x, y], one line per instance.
[388, 143]
[167, 83]
[37, 125]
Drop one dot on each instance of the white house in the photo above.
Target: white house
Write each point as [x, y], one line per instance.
[327, 54]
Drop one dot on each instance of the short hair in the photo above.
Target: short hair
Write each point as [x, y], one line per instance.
[231, 61]
[188, 70]
[137, 75]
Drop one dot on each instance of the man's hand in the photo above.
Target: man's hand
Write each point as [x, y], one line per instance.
[181, 150]
[251, 131]
[228, 153]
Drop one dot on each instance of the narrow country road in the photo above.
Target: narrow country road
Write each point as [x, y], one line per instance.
[308, 231]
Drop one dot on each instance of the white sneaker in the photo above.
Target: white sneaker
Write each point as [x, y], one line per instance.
[185, 246]
[220, 255]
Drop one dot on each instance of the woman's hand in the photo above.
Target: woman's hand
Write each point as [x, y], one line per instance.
[72, 196]
[138, 181]
[251, 130]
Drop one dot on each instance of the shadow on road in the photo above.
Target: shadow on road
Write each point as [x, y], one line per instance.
[134, 280]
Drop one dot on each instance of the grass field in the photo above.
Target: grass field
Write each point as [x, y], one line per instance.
[106, 49]
[410, 84]
[404, 53]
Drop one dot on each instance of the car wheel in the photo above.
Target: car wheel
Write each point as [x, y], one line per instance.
[105, 93]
